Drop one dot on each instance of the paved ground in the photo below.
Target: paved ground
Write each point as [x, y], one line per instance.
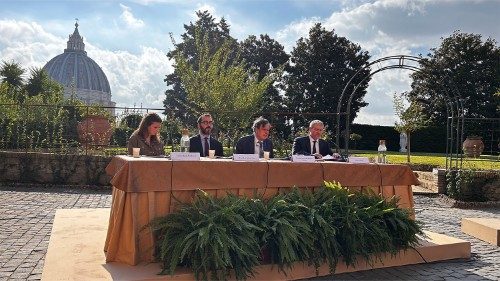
[27, 213]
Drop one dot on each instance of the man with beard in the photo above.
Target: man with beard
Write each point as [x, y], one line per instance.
[203, 142]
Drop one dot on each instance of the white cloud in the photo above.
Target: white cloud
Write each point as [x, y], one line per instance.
[129, 18]
[204, 7]
[395, 27]
[289, 35]
[27, 43]
[135, 79]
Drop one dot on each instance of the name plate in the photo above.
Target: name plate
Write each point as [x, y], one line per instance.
[246, 157]
[355, 159]
[303, 158]
[185, 156]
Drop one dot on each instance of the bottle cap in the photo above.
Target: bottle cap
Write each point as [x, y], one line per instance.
[185, 131]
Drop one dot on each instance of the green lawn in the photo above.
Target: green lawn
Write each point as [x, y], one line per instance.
[485, 162]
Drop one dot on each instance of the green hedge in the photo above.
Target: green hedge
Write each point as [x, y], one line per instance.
[222, 237]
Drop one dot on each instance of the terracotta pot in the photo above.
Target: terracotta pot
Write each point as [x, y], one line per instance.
[473, 146]
[94, 131]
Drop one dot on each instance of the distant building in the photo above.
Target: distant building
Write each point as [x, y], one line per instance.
[80, 75]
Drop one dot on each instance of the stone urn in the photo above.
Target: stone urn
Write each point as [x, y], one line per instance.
[94, 131]
[473, 146]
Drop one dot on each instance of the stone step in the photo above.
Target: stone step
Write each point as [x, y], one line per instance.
[430, 185]
[426, 175]
[486, 229]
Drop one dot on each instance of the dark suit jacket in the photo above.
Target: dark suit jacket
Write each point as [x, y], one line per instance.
[246, 145]
[302, 145]
[196, 146]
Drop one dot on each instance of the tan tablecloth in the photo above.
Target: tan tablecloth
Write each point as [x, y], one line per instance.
[145, 188]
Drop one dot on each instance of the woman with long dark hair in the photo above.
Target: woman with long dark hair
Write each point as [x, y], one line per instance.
[147, 136]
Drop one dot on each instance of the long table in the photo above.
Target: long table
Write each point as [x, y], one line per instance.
[144, 188]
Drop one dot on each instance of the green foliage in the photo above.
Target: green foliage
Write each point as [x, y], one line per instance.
[217, 237]
[319, 68]
[411, 119]
[464, 63]
[211, 236]
[219, 81]
[131, 121]
[176, 102]
[464, 185]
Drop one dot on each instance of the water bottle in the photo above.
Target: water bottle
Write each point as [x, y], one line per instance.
[381, 151]
[184, 143]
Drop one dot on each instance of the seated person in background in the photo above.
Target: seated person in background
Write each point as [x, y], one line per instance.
[147, 136]
[202, 142]
[258, 142]
[312, 144]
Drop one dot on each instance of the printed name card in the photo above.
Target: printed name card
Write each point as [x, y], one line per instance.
[246, 157]
[303, 158]
[185, 156]
[355, 159]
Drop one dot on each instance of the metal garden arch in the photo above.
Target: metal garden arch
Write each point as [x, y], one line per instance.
[454, 105]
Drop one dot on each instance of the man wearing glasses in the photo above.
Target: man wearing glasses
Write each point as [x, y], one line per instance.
[203, 142]
[258, 142]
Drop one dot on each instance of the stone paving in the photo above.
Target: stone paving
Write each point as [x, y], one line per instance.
[27, 214]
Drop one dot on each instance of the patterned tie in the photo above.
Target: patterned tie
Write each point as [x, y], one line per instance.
[206, 147]
[261, 149]
[314, 147]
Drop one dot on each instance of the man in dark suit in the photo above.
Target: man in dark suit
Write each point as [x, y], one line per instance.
[203, 142]
[258, 142]
[312, 144]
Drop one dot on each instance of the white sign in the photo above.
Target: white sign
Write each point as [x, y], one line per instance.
[246, 157]
[185, 156]
[355, 159]
[303, 158]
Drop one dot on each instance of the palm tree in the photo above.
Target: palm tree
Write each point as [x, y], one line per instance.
[11, 73]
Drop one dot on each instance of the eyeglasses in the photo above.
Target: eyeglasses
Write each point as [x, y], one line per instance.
[207, 122]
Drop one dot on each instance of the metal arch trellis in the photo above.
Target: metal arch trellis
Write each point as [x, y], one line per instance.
[453, 100]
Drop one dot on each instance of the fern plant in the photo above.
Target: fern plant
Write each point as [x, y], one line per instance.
[218, 237]
[210, 236]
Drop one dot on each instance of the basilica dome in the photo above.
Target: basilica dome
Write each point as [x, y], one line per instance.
[80, 75]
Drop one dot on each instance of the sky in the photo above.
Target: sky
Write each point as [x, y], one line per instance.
[130, 39]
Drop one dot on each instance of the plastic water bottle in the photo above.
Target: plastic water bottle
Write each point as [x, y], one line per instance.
[381, 151]
[184, 143]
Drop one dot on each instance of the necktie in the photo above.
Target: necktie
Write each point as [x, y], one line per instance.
[261, 149]
[206, 147]
[314, 147]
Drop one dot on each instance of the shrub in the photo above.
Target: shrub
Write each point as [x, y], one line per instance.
[218, 236]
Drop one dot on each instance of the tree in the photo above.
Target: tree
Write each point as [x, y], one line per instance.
[12, 75]
[411, 119]
[40, 83]
[220, 82]
[319, 69]
[176, 102]
[264, 55]
[463, 64]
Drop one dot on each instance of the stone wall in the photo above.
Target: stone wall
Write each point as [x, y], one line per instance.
[49, 168]
[488, 183]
